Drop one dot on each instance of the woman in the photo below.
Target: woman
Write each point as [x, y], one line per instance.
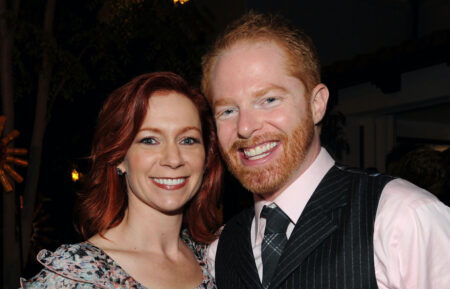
[155, 167]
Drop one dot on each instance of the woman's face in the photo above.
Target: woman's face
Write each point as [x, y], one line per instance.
[164, 165]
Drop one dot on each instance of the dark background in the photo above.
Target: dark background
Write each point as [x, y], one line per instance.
[96, 46]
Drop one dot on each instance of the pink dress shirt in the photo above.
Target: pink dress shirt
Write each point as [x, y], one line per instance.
[411, 234]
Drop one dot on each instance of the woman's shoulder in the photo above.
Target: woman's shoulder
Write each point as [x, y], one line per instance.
[77, 259]
[47, 279]
[69, 266]
[85, 251]
[80, 265]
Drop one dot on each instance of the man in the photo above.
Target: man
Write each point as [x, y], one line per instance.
[314, 224]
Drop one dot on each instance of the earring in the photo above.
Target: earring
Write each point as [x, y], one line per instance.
[119, 172]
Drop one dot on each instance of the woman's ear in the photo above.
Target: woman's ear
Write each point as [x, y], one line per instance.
[121, 169]
[318, 102]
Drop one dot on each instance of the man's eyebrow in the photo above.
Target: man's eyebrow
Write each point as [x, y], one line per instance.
[221, 102]
[268, 88]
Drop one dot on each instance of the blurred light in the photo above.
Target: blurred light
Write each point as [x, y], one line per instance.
[440, 148]
[75, 175]
[180, 1]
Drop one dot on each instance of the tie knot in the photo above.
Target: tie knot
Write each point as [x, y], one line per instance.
[276, 220]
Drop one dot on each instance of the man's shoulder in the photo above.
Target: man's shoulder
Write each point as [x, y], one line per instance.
[400, 193]
[370, 179]
[370, 172]
[404, 206]
[411, 237]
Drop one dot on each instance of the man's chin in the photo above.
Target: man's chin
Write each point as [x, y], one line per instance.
[269, 174]
[261, 181]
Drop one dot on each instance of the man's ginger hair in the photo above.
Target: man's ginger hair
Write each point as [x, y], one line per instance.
[302, 61]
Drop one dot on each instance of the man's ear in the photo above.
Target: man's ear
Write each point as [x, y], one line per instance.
[318, 102]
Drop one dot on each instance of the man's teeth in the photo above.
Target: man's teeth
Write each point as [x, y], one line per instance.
[170, 182]
[258, 156]
[259, 151]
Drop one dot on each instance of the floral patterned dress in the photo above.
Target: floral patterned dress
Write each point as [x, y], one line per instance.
[85, 266]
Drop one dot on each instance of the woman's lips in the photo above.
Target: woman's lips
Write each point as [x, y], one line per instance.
[170, 183]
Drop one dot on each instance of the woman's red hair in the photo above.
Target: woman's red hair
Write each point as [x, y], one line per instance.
[103, 203]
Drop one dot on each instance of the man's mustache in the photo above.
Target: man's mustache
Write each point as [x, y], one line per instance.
[241, 144]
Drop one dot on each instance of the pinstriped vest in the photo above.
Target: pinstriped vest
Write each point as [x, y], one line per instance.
[331, 245]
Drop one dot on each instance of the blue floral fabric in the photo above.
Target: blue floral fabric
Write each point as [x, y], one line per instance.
[85, 266]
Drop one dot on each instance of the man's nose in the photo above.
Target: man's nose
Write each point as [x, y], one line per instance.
[248, 124]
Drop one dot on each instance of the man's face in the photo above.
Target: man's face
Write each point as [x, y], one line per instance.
[263, 117]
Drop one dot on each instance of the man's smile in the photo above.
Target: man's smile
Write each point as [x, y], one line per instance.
[259, 151]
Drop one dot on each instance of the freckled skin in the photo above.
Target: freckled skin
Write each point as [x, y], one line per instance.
[164, 148]
[256, 101]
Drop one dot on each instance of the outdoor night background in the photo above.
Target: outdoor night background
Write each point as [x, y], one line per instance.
[386, 63]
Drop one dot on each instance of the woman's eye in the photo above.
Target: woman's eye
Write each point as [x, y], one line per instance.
[148, 140]
[190, 141]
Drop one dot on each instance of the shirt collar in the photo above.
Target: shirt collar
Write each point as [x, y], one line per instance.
[293, 200]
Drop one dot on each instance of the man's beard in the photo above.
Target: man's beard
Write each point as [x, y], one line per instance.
[267, 179]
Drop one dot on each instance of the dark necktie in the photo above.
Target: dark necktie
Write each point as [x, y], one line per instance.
[273, 241]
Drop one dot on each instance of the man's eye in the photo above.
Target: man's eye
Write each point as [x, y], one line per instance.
[190, 141]
[226, 113]
[268, 102]
[148, 140]
[270, 99]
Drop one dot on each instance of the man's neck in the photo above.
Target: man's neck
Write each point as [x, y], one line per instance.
[309, 159]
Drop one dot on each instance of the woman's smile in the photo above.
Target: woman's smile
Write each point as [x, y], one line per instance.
[170, 183]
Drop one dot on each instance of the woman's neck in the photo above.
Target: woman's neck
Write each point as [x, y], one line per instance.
[144, 230]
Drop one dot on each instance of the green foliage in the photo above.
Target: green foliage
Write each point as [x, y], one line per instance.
[152, 35]
[102, 44]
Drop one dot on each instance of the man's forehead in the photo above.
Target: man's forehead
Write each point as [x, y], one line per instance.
[226, 80]
[247, 47]
[236, 56]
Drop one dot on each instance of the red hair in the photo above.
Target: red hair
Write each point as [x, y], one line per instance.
[103, 203]
[302, 60]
